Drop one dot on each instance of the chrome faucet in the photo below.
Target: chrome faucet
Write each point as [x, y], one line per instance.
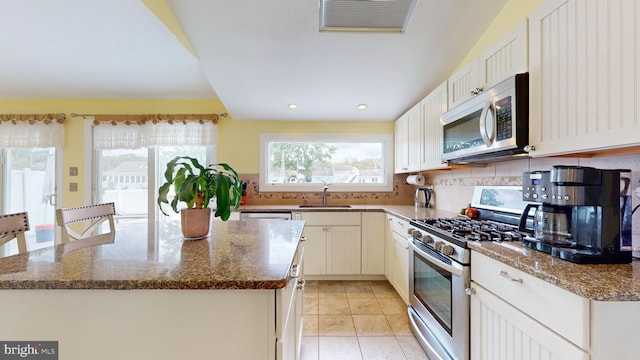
[324, 195]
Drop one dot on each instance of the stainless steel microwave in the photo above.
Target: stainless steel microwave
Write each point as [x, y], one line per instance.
[491, 126]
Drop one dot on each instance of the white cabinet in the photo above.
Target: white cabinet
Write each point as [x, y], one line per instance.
[506, 57]
[289, 310]
[463, 84]
[432, 108]
[373, 237]
[389, 248]
[401, 266]
[401, 139]
[397, 255]
[315, 250]
[514, 314]
[500, 331]
[343, 250]
[584, 74]
[333, 244]
[407, 141]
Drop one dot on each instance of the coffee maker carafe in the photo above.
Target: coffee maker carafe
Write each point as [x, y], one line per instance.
[581, 213]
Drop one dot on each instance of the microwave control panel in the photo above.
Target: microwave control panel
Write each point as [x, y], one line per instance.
[504, 123]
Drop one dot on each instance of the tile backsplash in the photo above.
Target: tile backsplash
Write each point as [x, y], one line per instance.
[402, 194]
[453, 188]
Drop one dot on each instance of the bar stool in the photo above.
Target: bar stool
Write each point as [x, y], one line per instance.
[13, 226]
[94, 214]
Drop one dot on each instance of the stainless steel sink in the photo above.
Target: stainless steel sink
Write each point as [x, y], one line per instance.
[325, 206]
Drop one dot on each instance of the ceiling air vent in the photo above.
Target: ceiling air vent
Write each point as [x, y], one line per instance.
[365, 15]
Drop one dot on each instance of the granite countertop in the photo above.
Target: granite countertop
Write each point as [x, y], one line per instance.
[253, 254]
[407, 212]
[602, 282]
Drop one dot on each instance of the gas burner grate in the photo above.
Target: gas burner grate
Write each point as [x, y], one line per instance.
[475, 230]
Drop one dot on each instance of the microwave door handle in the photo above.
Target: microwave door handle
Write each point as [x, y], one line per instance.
[486, 111]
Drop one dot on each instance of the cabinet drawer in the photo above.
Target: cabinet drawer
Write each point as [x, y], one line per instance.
[563, 312]
[399, 225]
[331, 218]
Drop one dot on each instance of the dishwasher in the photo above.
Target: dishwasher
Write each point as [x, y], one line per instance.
[244, 215]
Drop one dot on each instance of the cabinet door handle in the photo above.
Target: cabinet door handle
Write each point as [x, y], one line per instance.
[295, 271]
[470, 291]
[301, 284]
[506, 275]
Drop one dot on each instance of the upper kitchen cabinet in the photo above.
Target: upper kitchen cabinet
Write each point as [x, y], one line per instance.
[585, 66]
[432, 108]
[407, 141]
[508, 56]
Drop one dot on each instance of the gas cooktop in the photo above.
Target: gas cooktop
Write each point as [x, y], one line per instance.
[470, 229]
[499, 211]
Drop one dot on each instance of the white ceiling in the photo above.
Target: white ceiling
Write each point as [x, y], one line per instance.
[257, 56]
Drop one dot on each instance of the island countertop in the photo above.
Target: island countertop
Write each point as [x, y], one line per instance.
[252, 254]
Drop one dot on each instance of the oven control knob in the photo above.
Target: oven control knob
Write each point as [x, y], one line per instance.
[448, 250]
[427, 239]
[411, 231]
[438, 245]
[416, 234]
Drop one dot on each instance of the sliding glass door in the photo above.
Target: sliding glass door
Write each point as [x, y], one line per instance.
[28, 183]
[130, 178]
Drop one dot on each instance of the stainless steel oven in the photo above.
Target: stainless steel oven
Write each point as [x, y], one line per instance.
[439, 308]
[439, 268]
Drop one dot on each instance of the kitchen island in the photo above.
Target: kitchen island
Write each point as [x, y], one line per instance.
[145, 293]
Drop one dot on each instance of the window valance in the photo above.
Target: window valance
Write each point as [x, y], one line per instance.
[155, 119]
[138, 131]
[32, 130]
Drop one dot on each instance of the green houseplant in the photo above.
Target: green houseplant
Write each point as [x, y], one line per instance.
[195, 185]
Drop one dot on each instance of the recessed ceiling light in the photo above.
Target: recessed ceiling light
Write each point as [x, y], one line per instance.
[293, 106]
[362, 107]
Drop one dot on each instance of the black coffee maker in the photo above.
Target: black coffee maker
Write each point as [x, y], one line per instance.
[582, 214]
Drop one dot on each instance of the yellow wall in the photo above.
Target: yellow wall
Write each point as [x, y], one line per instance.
[238, 140]
[511, 14]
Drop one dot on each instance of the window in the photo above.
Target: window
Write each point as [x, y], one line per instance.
[131, 153]
[132, 197]
[305, 162]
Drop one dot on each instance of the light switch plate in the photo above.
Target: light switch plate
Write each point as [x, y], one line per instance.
[73, 171]
[73, 187]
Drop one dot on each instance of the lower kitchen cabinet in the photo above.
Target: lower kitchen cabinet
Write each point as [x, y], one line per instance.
[401, 266]
[343, 250]
[373, 236]
[515, 315]
[501, 332]
[397, 255]
[315, 250]
[289, 312]
[333, 245]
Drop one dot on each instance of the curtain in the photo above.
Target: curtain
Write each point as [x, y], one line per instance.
[32, 130]
[139, 131]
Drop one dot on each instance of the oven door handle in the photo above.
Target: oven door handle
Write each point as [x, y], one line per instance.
[456, 270]
[432, 350]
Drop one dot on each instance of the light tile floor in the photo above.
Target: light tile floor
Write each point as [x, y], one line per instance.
[364, 320]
